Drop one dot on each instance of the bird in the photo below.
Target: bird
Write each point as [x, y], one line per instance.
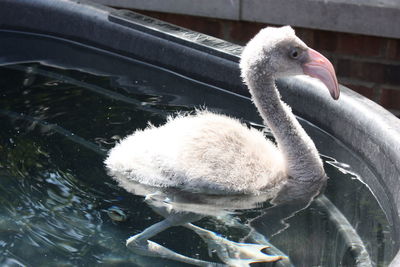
[217, 154]
[214, 156]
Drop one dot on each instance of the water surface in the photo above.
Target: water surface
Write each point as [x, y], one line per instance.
[62, 106]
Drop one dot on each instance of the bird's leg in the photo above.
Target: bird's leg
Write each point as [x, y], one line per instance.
[233, 253]
[141, 245]
[142, 238]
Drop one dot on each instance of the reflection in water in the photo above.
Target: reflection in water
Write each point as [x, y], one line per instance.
[56, 198]
[180, 208]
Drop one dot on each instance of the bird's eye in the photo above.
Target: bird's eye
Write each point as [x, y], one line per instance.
[295, 53]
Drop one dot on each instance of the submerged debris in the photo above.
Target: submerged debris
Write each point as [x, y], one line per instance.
[116, 214]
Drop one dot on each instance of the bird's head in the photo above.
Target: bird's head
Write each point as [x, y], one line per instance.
[278, 52]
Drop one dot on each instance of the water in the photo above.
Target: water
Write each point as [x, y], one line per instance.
[62, 106]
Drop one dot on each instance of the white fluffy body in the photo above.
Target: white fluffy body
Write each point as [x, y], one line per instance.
[205, 152]
[212, 153]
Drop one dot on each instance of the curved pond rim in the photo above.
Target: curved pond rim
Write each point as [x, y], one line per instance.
[106, 52]
[112, 30]
[363, 126]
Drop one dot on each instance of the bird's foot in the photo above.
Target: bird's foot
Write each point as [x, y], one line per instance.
[152, 249]
[234, 253]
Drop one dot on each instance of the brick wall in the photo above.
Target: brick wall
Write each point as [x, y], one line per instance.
[368, 65]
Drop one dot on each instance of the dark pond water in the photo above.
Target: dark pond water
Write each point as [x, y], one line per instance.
[62, 106]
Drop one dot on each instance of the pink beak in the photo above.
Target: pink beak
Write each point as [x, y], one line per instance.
[320, 67]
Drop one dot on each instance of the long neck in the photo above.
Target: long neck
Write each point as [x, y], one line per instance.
[304, 163]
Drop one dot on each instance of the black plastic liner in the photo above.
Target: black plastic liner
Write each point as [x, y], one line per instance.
[366, 128]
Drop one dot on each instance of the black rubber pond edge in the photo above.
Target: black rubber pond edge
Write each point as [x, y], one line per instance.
[363, 126]
[205, 43]
[129, 34]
